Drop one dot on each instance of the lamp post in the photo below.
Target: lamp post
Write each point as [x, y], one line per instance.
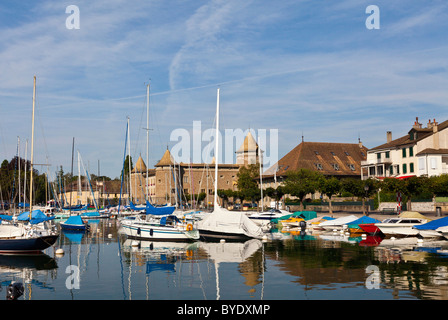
[366, 189]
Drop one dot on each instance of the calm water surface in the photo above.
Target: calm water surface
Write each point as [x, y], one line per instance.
[291, 267]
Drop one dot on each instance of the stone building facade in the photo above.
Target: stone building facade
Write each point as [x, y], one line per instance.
[171, 182]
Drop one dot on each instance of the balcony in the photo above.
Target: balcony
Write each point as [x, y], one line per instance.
[373, 162]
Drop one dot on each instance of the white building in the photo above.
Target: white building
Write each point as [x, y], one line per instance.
[422, 152]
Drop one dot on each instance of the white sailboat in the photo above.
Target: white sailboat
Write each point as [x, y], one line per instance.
[222, 223]
[34, 235]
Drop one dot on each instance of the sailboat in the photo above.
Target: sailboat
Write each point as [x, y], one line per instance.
[33, 235]
[149, 209]
[221, 223]
[158, 223]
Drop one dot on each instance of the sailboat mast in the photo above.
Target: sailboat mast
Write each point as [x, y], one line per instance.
[32, 148]
[20, 164]
[71, 176]
[147, 141]
[129, 162]
[216, 151]
[261, 174]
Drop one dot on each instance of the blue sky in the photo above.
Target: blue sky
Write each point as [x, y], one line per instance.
[308, 67]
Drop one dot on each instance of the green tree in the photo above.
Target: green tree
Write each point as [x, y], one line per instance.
[439, 185]
[363, 189]
[299, 183]
[330, 187]
[247, 182]
[275, 194]
[414, 187]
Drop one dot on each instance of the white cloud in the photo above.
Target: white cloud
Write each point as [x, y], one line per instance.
[295, 66]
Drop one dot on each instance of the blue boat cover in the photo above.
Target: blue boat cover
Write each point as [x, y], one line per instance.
[363, 219]
[5, 217]
[37, 216]
[150, 209]
[74, 220]
[433, 225]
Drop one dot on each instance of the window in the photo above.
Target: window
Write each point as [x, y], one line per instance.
[378, 155]
[336, 166]
[391, 170]
[346, 153]
[316, 152]
[332, 153]
[387, 154]
[405, 169]
[411, 167]
[421, 164]
[351, 166]
[411, 151]
[404, 152]
[433, 163]
[319, 166]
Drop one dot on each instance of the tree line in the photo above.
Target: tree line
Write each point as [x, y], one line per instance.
[303, 182]
[43, 189]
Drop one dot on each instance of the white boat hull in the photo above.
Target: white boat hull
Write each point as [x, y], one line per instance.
[153, 232]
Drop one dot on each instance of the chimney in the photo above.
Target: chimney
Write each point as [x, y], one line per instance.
[389, 136]
[435, 131]
[417, 125]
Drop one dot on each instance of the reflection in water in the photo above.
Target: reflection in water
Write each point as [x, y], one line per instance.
[30, 270]
[167, 258]
[302, 265]
[289, 266]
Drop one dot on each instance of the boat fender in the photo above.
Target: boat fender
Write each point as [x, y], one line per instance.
[138, 231]
[189, 227]
[302, 225]
[151, 232]
[15, 290]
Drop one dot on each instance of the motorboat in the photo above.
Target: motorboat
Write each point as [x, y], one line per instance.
[313, 224]
[400, 226]
[443, 231]
[337, 224]
[432, 229]
[354, 227]
[293, 221]
[370, 229]
[265, 217]
[166, 228]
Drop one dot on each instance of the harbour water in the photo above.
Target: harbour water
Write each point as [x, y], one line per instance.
[104, 265]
